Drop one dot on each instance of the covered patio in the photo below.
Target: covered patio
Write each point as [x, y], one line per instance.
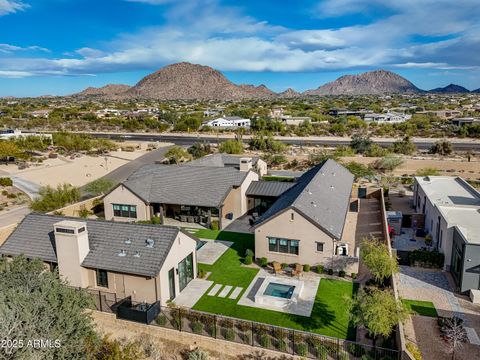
[193, 214]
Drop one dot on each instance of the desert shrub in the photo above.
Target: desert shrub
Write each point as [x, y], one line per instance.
[321, 352]
[231, 147]
[249, 252]
[201, 273]
[197, 327]
[265, 341]
[387, 163]
[229, 334]
[341, 273]
[343, 355]
[414, 350]
[320, 269]
[263, 262]
[6, 181]
[161, 320]
[84, 212]
[427, 172]
[359, 170]
[214, 225]
[53, 198]
[99, 186]
[442, 147]
[197, 354]
[282, 345]
[301, 349]
[11, 196]
[248, 260]
[306, 268]
[5, 192]
[330, 271]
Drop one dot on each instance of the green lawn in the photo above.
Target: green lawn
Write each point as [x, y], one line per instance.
[329, 315]
[425, 308]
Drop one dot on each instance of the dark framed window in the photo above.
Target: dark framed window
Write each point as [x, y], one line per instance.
[128, 211]
[102, 278]
[285, 246]
[320, 246]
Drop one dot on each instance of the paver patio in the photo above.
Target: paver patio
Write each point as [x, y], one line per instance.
[212, 250]
[192, 292]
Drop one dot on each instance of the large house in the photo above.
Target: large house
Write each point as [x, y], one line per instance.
[387, 118]
[232, 161]
[229, 122]
[306, 222]
[184, 193]
[451, 209]
[148, 263]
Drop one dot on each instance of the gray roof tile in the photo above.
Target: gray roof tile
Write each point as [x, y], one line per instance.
[34, 238]
[220, 160]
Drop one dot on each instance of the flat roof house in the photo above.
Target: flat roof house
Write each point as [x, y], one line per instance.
[306, 223]
[451, 209]
[190, 194]
[148, 263]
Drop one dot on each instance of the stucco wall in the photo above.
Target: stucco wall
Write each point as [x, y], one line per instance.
[73, 209]
[299, 228]
[236, 200]
[122, 195]
[183, 246]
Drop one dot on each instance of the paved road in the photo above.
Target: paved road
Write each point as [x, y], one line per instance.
[14, 216]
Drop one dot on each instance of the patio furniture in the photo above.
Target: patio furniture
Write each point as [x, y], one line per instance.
[298, 270]
[277, 267]
[183, 218]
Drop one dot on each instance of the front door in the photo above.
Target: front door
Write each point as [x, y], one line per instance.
[185, 271]
[171, 283]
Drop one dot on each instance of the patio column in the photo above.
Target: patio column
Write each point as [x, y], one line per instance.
[162, 220]
[220, 218]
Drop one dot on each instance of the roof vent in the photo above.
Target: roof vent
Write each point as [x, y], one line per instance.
[128, 241]
[426, 178]
[122, 253]
[332, 187]
[137, 254]
[150, 243]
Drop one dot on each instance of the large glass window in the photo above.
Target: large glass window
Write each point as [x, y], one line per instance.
[128, 211]
[285, 246]
[102, 278]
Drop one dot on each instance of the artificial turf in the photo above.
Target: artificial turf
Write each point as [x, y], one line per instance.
[329, 315]
[425, 308]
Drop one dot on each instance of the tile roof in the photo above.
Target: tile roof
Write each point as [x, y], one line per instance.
[322, 194]
[220, 160]
[184, 185]
[34, 238]
[268, 188]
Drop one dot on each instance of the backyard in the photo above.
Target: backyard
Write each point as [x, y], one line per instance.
[329, 315]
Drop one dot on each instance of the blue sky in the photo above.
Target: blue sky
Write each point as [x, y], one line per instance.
[62, 46]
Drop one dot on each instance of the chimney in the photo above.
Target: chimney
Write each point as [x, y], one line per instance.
[71, 242]
[245, 164]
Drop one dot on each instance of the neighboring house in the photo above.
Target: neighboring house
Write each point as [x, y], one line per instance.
[10, 133]
[442, 114]
[148, 263]
[390, 117]
[294, 120]
[237, 162]
[194, 194]
[40, 113]
[346, 112]
[306, 223]
[465, 121]
[451, 209]
[229, 122]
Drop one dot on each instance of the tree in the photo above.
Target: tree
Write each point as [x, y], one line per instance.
[177, 154]
[455, 334]
[198, 149]
[361, 144]
[377, 310]
[376, 256]
[442, 147]
[99, 186]
[9, 149]
[404, 146]
[359, 170]
[231, 147]
[36, 304]
[54, 198]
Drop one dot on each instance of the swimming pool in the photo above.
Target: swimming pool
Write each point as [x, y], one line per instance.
[279, 290]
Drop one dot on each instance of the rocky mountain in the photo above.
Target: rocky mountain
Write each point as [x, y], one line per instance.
[105, 91]
[450, 89]
[190, 81]
[376, 82]
[289, 93]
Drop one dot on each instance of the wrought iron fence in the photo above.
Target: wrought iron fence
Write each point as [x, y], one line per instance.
[285, 340]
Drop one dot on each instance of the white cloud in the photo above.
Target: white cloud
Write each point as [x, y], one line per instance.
[15, 74]
[11, 6]
[152, 2]
[89, 52]
[7, 48]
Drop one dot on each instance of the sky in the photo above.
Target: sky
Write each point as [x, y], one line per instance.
[58, 47]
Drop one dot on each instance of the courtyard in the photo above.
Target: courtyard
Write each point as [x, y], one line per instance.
[230, 287]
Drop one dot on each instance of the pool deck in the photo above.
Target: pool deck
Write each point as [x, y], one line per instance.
[302, 307]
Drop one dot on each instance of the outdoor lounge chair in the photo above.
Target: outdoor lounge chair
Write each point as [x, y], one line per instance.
[298, 270]
[277, 267]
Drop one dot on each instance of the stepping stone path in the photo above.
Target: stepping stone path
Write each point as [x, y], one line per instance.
[225, 291]
[235, 293]
[215, 290]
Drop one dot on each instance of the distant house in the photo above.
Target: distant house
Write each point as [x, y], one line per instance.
[148, 263]
[387, 118]
[182, 194]
[229, 122]
[306, 222]
[11, 133]
[109, 112]
[465, 121]
[224, 160]
[451, 209]
[294, 120]
[40, 113]
[442, 114]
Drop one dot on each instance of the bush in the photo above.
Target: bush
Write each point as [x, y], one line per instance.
[6, 181]
[356, 349]
[197, 327]
[284, 266]
[84, 212]
[197, 354]
[282, 345]
[330, 271]
[341, 273]
[214, 225]
[161, 320]
[229, 334]
[99, 186]
[353, 275]
[11, 196]
[320, 269]
[53, 198]
[249, 252]
[442, 147]
[231, 147]
[321, 352]
[301, 349]
[248, 260]
[265, 341]
[263, 262]
[201, 273]
[427, 258]
[414, 350]
[389, 162]
[306, 268]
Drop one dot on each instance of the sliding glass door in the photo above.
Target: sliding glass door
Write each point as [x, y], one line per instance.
[185, 271]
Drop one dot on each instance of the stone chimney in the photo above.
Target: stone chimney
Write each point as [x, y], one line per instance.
[71, 241]
[245, 164]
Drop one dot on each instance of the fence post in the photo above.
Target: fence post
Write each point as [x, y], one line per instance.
[338, 349]
[293, 342]
[253, 342]
[179, 320]
[215, 326]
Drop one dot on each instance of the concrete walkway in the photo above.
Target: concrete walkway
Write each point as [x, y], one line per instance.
[192, 292]
[212, 251]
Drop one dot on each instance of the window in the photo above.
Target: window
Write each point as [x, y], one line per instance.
[292, 216]
[102, 278]
[128, 211]
[66, 231]
[320, 246]
[283, 246]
